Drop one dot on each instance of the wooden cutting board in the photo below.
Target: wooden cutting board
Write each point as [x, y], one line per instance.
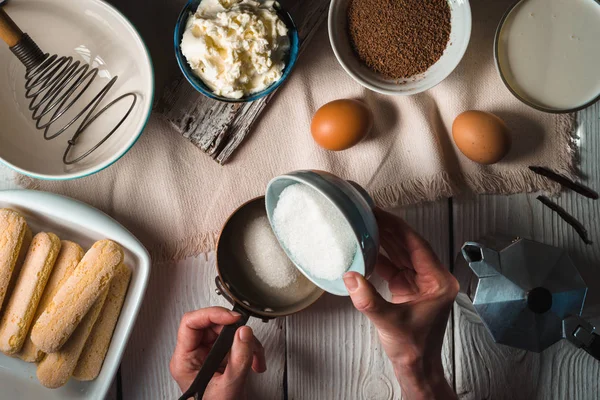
[219, 128]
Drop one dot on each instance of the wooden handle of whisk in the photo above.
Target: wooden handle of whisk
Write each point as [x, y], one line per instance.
[9, 31]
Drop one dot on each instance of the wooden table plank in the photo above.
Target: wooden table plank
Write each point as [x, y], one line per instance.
[174, 289]
[333, 351]
[359, 370]
[490, 371]
[113, 393]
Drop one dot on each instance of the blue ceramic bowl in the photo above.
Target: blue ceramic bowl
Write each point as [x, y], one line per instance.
[199, 85]
[356, 205]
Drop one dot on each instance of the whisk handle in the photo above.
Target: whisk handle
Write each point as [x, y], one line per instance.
[9, 31]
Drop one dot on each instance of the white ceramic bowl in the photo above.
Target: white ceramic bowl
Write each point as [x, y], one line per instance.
[352, 201]
[76, 221]
[459, 40]
[93, 32]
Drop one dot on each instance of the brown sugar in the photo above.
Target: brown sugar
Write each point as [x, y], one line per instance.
[399, 38]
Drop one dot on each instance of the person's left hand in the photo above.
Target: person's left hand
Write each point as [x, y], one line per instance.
[197, 334]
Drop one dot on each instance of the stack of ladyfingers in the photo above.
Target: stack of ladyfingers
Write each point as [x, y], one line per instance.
[58, 305]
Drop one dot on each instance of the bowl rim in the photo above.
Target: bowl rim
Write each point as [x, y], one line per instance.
[302, 180]
[525, 101]
[358, 78]
[196, 82]
[118, 155]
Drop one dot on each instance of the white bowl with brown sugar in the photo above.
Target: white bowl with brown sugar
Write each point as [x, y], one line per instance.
[402, 47]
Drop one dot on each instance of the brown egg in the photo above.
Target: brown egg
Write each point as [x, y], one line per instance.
[341, 124]
[481, 136]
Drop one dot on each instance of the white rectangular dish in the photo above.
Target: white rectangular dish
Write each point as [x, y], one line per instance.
[83, 224]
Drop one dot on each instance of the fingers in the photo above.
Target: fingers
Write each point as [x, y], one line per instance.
[191, 349]
[241, 359]
[385, 268]
[193, 324]
[209, 336]
[368, 301]
[397, 233]
[401, 281]
[385, 219]
[259, 363]
[396, 251]
[403, 286]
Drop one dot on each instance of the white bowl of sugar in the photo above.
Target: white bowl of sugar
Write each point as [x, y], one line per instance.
[325, 225]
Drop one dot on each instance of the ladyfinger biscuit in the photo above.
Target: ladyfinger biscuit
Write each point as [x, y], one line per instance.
[24, 300]
[68, 258]
[75, 298]
[13, 229]
[18, 266]
[91, 359]
[56, 368]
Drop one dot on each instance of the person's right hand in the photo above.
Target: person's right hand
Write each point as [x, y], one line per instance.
[411, 327]
[197, 334]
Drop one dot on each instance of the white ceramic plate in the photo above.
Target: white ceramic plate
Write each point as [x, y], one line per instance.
[76, 221]
[92, 32]
[460, 35]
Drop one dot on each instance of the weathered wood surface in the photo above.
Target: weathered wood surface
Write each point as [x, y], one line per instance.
[485, 370]
[219, 128]
[480, 368]
[113, 393]
[333, 351]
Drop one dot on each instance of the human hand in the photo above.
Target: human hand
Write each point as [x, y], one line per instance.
[196, 336]
[411, 327]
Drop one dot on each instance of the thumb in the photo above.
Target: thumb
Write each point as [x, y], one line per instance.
[367, 300]
[240, 359]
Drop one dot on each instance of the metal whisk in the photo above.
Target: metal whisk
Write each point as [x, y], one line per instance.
[54, 84]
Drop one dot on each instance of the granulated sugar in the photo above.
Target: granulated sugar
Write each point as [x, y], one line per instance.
[266, 257]
[314, 231]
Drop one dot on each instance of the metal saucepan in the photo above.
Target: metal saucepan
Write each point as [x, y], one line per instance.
[249, 296]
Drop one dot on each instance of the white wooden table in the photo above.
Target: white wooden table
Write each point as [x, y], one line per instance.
[330, 351]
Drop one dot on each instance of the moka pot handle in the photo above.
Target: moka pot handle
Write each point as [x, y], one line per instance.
[582, 334]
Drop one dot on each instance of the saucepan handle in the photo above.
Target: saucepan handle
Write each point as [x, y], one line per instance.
[216, 355]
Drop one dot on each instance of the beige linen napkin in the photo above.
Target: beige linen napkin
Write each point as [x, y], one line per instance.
[175, 198]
